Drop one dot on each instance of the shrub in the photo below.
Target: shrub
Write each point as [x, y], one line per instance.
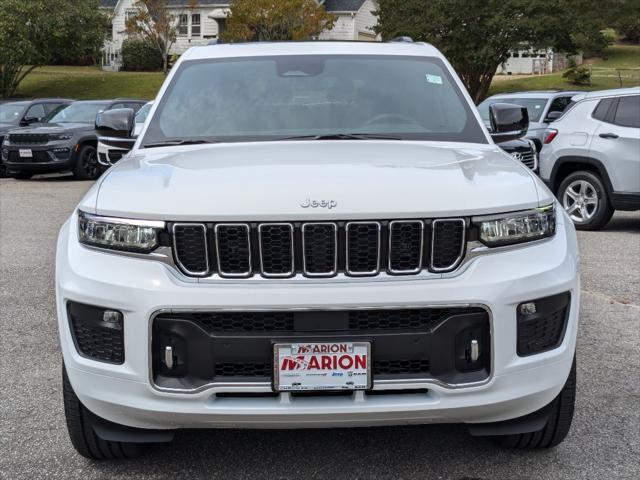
[139, 56]
[578, 75]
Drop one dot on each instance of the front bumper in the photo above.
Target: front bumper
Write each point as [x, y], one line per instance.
[52, 157]
[139, 288]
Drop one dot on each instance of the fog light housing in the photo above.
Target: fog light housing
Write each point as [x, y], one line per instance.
[528, 308]
[98, 333]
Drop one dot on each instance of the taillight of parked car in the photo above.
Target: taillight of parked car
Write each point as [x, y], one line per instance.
[549, 135]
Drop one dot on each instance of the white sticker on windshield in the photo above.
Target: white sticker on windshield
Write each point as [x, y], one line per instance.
[436, 79]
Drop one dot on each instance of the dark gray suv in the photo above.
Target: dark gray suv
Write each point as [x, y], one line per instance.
[65, 141]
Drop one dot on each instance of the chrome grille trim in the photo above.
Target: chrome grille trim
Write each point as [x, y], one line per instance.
[455, 264]
[263, 272]
[334, 271]
[223, 274]
[355, 273]
[420, 267]
[206, 248]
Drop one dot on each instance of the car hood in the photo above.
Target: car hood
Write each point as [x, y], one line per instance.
[47, 128]
[275, 180]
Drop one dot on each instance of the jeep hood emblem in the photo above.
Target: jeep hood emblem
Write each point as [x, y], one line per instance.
[319, 204]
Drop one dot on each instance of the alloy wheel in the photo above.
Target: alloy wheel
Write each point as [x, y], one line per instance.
[580, 200]
[90, 163]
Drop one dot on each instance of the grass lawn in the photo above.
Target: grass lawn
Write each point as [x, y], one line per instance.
[616, 56]
[89, 83]
[93, 83]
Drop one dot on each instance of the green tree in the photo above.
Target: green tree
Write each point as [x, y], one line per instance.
[153, 22]
[477, 35]
[266, 20]
[625, 18]
[33, 32]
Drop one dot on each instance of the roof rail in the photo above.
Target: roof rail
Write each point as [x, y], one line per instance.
[403, 39]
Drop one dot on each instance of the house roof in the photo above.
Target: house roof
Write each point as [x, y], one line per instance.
[330, 5]
[343, 5]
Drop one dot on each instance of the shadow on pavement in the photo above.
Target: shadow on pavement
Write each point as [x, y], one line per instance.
[394, 452]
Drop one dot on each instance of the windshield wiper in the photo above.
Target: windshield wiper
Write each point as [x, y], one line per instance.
[343, 136]
[171, 143]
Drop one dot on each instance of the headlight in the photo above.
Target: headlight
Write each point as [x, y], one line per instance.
[517, 227]
[60, 136]
[139, 236]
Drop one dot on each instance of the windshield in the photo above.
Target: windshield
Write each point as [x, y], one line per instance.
[277, 97]
[11, 112]
[535, 106]
[142, 114]
[79, 112]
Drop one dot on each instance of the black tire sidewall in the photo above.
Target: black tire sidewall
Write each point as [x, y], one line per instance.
[603, 211]
[79, 170]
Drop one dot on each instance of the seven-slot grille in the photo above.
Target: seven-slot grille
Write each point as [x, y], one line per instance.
[28, 138]
[318, 249]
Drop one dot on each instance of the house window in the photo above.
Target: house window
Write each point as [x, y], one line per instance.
[195, 25]
[183, 25]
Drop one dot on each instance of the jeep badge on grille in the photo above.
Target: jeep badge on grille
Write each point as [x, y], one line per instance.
[319, 204]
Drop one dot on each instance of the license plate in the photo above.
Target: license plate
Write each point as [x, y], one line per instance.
[300, 367]
[25, 153]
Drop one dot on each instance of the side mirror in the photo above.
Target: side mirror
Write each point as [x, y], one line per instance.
[28, 121]
[508, 121]
[118, 123]
[553, 116]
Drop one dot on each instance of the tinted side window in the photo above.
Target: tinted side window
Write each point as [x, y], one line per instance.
[559, 104]
[136, 106]
[602, 110]
[50, 107]
[628, 112]
[35, 111]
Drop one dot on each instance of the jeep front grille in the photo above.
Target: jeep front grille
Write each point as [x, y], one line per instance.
[28, 138]
[318, 249]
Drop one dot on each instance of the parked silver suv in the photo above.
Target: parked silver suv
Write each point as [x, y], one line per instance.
[591, 156]
[543, 107]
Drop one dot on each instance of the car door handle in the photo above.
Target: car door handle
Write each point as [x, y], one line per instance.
[608, 135]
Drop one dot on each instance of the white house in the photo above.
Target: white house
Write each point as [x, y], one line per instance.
[533, 62]
[200, 25]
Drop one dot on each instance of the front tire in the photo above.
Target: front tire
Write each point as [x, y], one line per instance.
[584, 198]
[82, 435]
[556, 428]
[87, 166]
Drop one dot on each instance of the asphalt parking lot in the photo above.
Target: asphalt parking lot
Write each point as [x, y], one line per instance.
[604, 441]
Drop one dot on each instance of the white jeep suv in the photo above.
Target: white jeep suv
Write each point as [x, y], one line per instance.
[591, 156]
[316, 235]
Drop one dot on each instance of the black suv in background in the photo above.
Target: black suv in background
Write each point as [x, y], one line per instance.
[65, 141]
[524, 150]
[22, 113]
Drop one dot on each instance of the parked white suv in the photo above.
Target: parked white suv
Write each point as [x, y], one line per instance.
[591, 156]
[316, 235]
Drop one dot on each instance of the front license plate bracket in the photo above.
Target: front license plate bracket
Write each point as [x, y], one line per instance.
[321, 366]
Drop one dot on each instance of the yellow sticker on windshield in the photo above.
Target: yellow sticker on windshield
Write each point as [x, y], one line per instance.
[436, 79]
